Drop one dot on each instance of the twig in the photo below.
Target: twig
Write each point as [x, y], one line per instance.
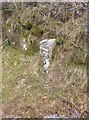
[79, 47]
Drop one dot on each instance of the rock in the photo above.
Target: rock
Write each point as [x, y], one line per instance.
[75, 113]
[46, 47]
[46, 65]
[54, 117]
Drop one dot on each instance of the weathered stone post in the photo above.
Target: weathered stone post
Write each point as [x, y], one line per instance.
[46, 47]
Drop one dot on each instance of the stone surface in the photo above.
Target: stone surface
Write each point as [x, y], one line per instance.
[54, 117]
[46, 47]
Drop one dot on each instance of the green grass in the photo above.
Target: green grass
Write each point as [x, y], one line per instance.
[36, 31]
[15, 70]
[32, 49]
[28, 25]
[25, 88]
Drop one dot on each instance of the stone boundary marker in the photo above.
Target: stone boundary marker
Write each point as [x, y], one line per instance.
[46, 47]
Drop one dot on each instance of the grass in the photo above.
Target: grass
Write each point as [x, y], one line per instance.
[29, 93]
[28, 25]
[32, 49]
[16, 70]
[37, 31]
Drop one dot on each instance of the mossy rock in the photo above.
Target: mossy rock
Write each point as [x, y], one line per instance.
[59, 40]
